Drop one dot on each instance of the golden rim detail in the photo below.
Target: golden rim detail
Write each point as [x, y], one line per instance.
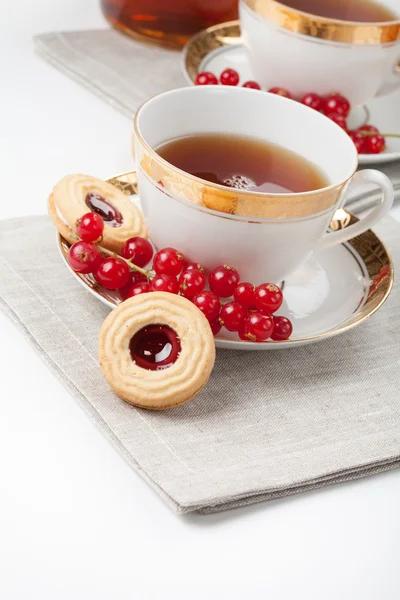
[348, 32]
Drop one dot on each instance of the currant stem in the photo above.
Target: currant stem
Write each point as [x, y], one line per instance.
[369, 133]
[129, 262]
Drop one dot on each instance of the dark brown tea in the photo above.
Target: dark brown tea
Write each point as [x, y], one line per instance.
[365, 11]
[243, 163]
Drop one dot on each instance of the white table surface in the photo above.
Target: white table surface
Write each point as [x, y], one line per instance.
[75, 521]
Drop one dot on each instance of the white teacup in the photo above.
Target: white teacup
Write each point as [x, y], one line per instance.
[306, 53]
[265, 236]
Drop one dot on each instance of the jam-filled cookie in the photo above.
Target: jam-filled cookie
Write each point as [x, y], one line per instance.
[156, 350]
[76, 195]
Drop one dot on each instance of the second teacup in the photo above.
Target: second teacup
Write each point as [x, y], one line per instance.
[306, 52]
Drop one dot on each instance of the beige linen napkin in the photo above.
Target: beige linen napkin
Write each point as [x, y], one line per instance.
[116, 68]
[268, 424]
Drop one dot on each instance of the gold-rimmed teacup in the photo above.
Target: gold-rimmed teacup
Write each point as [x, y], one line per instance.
[266, 236]
[304, 52]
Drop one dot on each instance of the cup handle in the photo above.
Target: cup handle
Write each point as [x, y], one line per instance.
[367, 176]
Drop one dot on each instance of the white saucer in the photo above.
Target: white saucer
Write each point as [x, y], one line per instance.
[219, 47]
[336, 289]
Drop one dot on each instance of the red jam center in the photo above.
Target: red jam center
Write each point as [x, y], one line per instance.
[155, 347]
[105, 209]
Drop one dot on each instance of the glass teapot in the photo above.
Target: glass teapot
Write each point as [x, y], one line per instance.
[167, 22]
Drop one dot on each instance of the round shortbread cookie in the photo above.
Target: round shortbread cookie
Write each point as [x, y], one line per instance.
[173, 384]
[76, 195]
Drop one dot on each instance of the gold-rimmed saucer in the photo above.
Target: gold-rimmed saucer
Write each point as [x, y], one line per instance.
[334, 291]
[221, 46]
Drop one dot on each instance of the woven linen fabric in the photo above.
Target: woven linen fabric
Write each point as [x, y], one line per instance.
[118, 69]
[267, 424]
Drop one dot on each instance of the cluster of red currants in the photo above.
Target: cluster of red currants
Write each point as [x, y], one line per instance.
[227, 77]
[250, 313]
[367, 138]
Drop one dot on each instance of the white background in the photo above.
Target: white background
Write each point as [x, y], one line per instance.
[75, 521]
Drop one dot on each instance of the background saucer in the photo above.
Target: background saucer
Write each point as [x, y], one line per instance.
[332, 292]
[219, 47]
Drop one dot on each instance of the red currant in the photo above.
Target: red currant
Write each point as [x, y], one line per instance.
[134, 278]
[282, 328]
[244, 294]
[215, 326]
[164, 283]
[313, 100]
[338, 119]
[191, 283]
[374, 144]
[268, 298]
[90, 227]
[280, 92]
[206, 78]
[336, 103]
[256, 328]
[84, 257]
[133, 289]
[358, 140]
[223, 281]
[244, 335]
[252, 85]
[232, 316]
[137, 277]
[209, 304]
[168, 261]
[112, 273]
[367, 128]
[139, 250]
[229, 77]
[194, 267]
